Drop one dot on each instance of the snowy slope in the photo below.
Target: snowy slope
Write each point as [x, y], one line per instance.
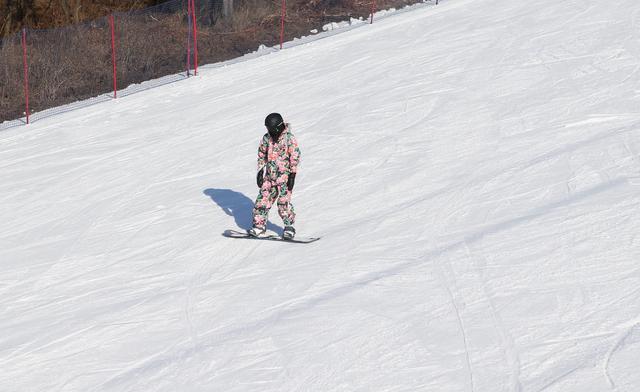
[473, 169]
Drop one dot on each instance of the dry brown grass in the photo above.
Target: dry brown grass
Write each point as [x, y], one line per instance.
[11, 90]
[44, 14]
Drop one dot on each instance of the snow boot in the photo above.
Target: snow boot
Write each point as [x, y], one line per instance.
[289, 233]
[256, 232]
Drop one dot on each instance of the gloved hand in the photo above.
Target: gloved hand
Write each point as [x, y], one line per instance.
[291, 181]
[260, 178]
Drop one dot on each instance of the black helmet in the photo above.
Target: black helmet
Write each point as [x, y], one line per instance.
[275, 125]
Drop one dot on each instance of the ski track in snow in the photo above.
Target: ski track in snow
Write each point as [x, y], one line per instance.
[472, 167]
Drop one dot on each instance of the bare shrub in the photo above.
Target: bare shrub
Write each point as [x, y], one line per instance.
[12, 102]
[67, 65]
[151, 45]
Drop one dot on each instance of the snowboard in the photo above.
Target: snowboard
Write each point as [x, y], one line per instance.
[269, 237]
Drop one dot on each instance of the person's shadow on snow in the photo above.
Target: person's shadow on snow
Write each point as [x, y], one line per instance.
[237, 205]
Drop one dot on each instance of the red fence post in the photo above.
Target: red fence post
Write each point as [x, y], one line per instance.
[284, 11]
[26, 71]
[113, 56]
[195, 37]
[373, 10]
[188, 38]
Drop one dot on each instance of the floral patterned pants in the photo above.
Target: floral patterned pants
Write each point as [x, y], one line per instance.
[270, 193]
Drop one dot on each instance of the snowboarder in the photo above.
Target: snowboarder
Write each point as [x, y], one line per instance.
[278, 158]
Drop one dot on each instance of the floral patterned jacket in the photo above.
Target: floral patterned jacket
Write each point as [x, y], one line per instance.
[280, 158]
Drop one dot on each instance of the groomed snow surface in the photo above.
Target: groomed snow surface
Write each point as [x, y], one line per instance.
[473, 168]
